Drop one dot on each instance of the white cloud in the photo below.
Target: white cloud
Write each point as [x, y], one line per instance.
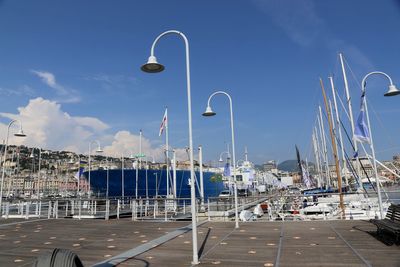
[20, 91]
[126, 143]
[67, 96]
[47, 126]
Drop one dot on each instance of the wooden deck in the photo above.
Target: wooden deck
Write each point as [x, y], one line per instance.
[311, 243]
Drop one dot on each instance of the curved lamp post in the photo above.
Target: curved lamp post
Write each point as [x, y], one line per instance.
[391, 92]
[228, 155]
[40, 157]
[152, 66]
[20, 133]
[208, 113]
[99, 150]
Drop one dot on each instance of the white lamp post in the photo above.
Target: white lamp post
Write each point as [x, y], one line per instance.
[208, 113]
[391, 92]
[152, 66]
[99, 150]
[20, 133]
[40, 157]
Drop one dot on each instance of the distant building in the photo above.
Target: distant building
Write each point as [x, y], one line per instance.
[269, 166]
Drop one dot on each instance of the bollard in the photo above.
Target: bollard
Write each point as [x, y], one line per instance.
[118, 207]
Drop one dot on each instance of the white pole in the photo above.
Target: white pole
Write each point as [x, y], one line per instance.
[324, 148]
[339, 130]
[140, 149]
[363, 84]
[201, 177]
[166, 151]
[174, 173]
[4, 163]
[316, 158]
[108, 178]
[147, 184]
[349, 106]
[318, 151]
[123, 177]
[189, 104]
[233, 151]
[90, 148]
[137, 177]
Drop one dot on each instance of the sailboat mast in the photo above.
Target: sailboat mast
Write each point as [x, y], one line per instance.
[334, 147]
[339, 130]
[348, 100]
[316, 158]
[324, 148]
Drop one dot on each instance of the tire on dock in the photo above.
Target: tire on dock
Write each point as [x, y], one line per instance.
[58, 257]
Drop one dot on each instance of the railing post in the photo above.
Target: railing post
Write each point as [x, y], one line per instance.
[165, 210]
[154, 208]
[146, 207]
[95, 207]
[79, 209]
[118, 207]
[56, 209]
[141, 207]
[208, 209]
[107, 216]
[49, 210]
[135, 209]
[72, 207]
[184, 206]
[66, 209]
[7, 210]
[27, 211]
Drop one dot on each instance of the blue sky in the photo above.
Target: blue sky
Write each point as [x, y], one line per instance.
[70, 71]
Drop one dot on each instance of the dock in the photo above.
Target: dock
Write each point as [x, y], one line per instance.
[98, 242]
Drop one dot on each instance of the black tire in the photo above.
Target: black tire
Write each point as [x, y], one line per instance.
[58, 258]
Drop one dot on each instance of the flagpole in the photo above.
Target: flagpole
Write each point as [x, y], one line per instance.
[167, 147]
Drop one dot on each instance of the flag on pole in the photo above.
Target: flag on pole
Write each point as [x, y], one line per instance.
[80, 170]
[361, 132]
[164, 123]
[227, 170]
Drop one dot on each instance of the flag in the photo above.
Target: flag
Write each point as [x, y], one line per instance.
[227, 170]
[80, 170]
[361, 132]
[164, 123]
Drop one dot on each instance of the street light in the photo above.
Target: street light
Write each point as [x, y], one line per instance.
[20, 133]
[391, 92]
[152, 66]
[228, 155]
[99, 150]
[40, 157]
[209, 113]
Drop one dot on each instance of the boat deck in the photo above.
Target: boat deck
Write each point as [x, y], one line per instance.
[100, 243]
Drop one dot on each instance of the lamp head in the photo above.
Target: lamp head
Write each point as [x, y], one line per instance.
[220, 160]
[20, 133]
[99, 150]
[392, 91]
[209, 112]
[152, 66]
